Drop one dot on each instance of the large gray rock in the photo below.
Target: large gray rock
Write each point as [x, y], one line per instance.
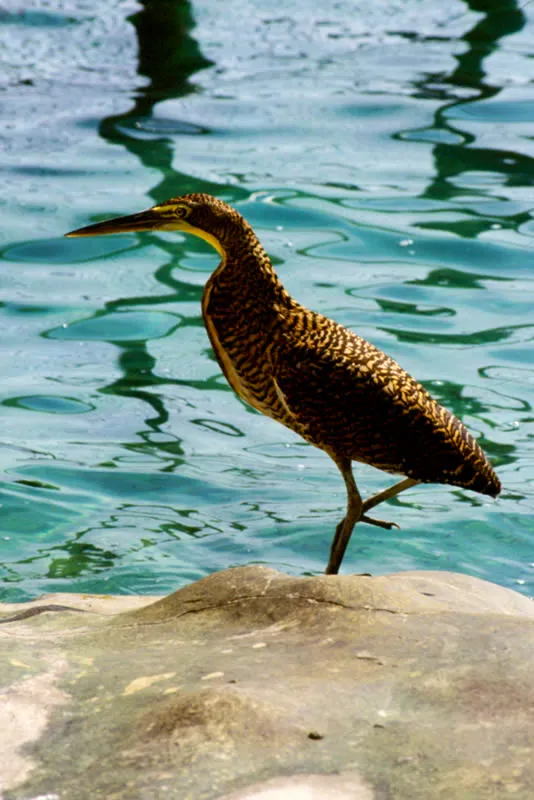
[253, 685]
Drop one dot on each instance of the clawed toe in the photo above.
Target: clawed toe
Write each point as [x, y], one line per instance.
[380, 523]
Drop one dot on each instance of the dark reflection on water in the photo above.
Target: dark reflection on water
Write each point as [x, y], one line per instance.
[79, 558]
[169, 57]
[137, 366]
[466, 339]
[455, 279]
[411, 308]
[450, 158]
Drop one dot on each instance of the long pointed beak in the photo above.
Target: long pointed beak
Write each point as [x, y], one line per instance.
[148, 220]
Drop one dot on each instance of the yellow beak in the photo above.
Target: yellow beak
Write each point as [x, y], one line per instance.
[153, 219]
[149, 220]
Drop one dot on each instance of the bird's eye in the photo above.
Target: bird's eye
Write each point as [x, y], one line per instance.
[180, 212]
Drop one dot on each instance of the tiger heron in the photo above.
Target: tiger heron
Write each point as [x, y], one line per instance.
[321, 380]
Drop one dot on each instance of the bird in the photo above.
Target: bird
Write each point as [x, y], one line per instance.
[320, 379]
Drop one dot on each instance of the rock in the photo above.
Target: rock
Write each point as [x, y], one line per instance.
[306, 787]
[252, 685]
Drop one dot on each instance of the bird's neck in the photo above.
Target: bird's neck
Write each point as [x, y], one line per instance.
[246, 271]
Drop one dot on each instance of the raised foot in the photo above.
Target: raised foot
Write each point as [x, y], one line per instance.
[380, 523]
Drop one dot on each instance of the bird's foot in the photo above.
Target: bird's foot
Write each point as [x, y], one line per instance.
[380, 523]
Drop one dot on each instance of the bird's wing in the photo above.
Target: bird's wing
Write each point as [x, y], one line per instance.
[336, 399]
[357, 402]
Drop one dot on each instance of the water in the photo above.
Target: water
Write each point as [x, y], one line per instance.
[384, 158]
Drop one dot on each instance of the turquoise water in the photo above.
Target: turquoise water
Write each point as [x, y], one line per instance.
[385, 159]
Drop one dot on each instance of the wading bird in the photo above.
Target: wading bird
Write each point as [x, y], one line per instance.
[318, 378]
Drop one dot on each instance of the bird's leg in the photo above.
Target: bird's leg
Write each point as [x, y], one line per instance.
[346, 526]
[380, 523]
[356, 513]
[387, 494]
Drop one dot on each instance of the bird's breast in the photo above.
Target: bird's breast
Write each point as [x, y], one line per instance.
[241, 339]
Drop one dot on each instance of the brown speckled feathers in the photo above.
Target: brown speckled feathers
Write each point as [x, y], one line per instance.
[362, 404]
[323, 381]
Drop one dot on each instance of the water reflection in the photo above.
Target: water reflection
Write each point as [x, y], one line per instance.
[511, 333]
[455, 279]
[156, 423]
[464, 86]
[450, 141]
[137, 366]
[79, 558]
[397, 307]
[169, 57]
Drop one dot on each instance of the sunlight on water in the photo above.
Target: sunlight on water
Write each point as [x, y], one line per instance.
[384, 160]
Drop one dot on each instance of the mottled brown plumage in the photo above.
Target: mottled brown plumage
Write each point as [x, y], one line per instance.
[318, 378]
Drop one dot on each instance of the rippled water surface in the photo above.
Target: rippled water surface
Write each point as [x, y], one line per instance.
[384, 157]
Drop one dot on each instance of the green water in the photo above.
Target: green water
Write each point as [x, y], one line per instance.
[384, 158]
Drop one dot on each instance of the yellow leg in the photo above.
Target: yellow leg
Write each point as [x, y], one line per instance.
[387, 494]
[346, 526]
[356, 513]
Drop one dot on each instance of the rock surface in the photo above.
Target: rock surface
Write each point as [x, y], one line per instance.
[252, 685]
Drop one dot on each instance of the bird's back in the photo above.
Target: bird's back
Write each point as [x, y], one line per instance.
[352, 400]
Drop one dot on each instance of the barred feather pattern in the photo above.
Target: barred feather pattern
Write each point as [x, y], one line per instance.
[334, 388]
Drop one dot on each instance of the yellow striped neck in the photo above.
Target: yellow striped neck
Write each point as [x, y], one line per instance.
[208, 237]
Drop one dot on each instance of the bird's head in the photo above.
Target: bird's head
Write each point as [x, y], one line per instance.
[200, 214]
